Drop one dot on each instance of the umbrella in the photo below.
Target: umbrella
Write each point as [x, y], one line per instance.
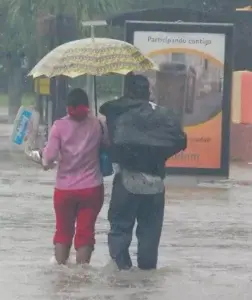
[92, 56]
[246, 8]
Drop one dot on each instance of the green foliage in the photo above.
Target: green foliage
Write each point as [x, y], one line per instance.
[19, 17]
[19, 32]
[18, 24]
[27, 100]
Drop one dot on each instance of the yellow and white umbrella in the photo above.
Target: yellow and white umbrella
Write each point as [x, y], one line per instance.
[92, 56]
[246, 8]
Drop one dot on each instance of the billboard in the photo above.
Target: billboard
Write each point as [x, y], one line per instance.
[194, 80]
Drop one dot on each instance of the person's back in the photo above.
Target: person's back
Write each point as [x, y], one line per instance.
[136, 195]
[143, 137]
[79, 153]
[75, 141]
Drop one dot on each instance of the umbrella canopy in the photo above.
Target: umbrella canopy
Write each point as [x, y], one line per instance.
[246, 8]
[92, 56]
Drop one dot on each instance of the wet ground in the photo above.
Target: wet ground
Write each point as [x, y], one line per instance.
[205, 251]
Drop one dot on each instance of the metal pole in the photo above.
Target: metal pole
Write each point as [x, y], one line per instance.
[91, 86]
[92, 29]
[95, 96]
[90, 91]
[91, 83]
[49, 114]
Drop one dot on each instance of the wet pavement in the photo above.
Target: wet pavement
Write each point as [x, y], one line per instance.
[205, 251]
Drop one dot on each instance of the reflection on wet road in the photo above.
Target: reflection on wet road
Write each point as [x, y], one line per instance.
[205, 253]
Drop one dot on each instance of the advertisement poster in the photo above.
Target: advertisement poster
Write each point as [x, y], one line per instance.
[190, 82]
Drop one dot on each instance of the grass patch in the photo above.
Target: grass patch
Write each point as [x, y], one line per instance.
[27, 100]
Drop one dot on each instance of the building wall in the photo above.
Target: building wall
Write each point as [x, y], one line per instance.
[241, 142]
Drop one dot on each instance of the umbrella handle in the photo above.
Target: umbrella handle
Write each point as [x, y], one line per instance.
[95, 97]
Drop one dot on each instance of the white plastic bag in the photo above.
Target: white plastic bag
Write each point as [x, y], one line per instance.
[27, 134]
[21, 125]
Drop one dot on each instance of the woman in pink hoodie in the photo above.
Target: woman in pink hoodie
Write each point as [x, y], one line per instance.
[75, 141]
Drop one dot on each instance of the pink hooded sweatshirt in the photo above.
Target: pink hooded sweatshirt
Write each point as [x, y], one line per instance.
[76, 145]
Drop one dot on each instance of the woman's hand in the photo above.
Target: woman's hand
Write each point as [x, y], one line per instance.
[46, 168]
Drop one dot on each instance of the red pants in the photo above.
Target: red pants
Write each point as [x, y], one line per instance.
[80, 207]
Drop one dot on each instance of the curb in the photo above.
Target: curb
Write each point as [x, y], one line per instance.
[232, 182]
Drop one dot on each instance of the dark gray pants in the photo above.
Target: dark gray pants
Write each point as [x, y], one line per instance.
[126, 208]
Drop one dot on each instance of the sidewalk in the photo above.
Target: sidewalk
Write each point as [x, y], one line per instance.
[5, 129]
[3, 115]
[240, 173]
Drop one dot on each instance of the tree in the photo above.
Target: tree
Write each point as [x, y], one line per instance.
[24, 22]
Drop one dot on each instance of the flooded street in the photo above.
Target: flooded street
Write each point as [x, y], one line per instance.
[205, 253]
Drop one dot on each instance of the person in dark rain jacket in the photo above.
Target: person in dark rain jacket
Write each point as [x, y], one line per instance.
[138, 193]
